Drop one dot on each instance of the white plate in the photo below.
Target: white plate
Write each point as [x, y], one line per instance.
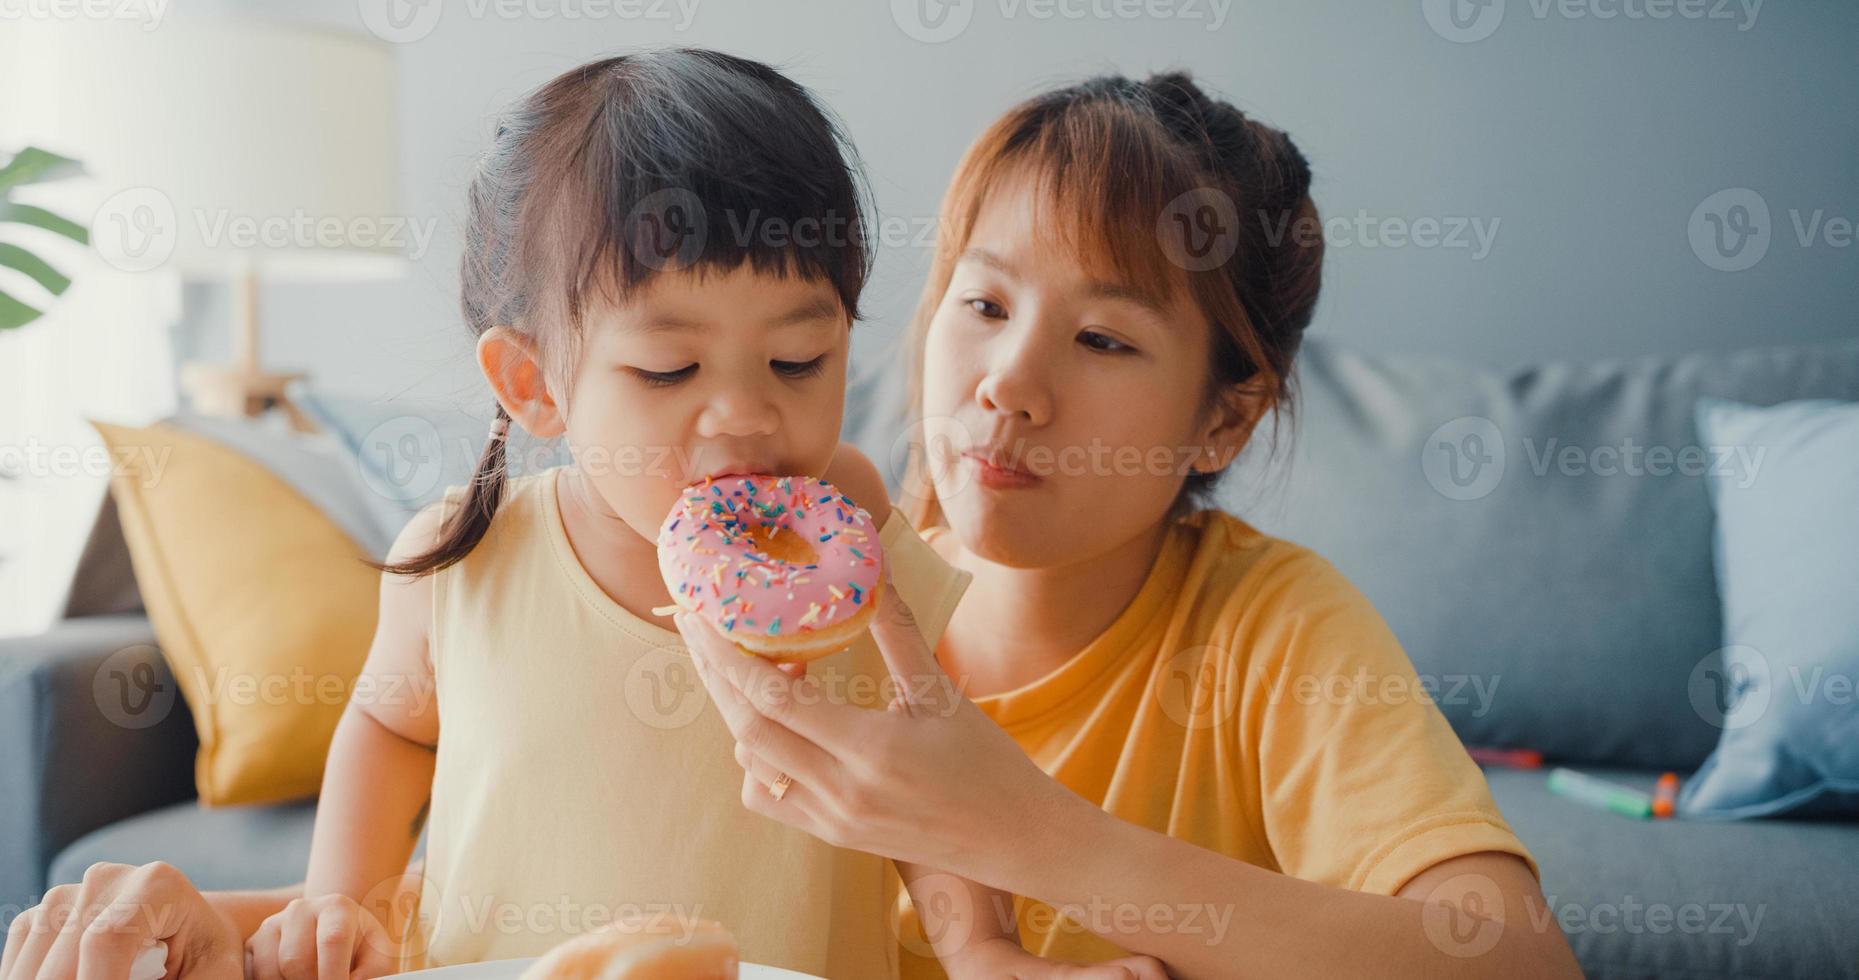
[511, 969]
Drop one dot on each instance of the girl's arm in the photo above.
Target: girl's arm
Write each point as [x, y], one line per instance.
[379, 774]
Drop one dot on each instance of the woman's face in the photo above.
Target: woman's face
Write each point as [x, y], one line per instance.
[1062, 412]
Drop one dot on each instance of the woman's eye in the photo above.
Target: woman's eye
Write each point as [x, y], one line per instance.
[987, 308]
[660, 379]
[800, 369]
[1097, 341]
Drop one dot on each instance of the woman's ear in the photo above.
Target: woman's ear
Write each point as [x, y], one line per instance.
[511, 364]
[1229, 425]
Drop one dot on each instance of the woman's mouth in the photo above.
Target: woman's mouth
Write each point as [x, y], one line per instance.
[998, 473]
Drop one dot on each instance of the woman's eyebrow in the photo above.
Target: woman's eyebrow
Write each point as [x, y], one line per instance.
[982, 256]
[1099, 289]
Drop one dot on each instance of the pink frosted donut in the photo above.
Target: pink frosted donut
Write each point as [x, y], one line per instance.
[786, 567]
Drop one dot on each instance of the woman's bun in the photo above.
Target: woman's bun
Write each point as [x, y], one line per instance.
[633, 949]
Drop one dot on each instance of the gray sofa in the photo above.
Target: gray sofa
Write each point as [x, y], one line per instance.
[1555, 611]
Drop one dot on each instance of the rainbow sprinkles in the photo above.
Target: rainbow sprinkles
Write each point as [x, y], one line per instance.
[776, 556]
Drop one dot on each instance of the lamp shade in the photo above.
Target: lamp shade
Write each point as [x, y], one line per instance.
[224, 145]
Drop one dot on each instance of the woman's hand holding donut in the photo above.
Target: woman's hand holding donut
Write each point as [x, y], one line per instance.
[932, 781]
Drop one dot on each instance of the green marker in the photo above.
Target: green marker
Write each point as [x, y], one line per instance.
[1600, 793]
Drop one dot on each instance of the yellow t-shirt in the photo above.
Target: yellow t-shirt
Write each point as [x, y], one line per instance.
[582, 773]
[1250, 701]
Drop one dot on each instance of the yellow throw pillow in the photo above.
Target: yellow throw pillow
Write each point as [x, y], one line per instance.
[262, 607]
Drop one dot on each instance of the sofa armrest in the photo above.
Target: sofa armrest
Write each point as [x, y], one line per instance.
[92, 730]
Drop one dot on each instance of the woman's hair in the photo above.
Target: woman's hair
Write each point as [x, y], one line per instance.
[678, 159]
[1111, 160]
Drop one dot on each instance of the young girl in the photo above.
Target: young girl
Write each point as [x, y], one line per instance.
[663, 258]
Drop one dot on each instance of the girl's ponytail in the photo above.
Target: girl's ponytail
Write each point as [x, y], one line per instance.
[467, 523]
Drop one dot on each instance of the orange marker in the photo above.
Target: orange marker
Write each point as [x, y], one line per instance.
[1512, 758]
[1665, 796]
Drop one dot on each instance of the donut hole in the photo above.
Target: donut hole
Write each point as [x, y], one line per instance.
[783, 544]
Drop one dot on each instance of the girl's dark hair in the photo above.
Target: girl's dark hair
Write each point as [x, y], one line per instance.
[678, 159]
[1111, 159]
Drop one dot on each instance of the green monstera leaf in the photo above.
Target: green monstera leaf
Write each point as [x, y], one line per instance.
[33, 166]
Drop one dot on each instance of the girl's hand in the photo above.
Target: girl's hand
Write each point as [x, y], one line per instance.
[1003, 959]
[932, 781]
[329, 937]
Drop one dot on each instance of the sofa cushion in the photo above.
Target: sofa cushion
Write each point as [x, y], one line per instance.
[263, 606]
[1539, 539]
[1787, 566]
[1691, 899]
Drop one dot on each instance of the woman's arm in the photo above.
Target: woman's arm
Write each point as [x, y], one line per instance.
[934, 787]
[1208, 915]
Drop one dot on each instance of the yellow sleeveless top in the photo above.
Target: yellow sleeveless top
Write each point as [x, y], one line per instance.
[582, 773]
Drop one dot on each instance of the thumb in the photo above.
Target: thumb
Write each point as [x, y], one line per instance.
[907, 655]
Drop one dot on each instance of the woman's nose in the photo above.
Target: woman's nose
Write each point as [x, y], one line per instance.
[1015, 382]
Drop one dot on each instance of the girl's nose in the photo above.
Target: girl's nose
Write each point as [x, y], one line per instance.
[737, 412]
[1015, 382]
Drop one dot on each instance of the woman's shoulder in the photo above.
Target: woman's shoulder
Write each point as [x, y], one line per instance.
[1269, 587]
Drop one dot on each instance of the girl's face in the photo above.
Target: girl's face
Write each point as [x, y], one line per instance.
[705, 375]
[1062, 411]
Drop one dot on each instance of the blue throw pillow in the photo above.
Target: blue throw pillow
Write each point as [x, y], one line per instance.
[1787, 558]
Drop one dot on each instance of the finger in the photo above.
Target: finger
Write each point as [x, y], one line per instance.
[72, 916]
[798, 807]
[112, 942]
[829, 728]
[906, 654]
[263, 951]
[373, 959]
[27, 941]
[297, 944]
[795, 671]
[337, 929]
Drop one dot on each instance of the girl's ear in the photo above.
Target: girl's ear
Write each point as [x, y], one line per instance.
[511, 364]
[1229, 425]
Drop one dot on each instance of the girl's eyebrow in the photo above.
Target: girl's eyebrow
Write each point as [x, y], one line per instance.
[808, 311]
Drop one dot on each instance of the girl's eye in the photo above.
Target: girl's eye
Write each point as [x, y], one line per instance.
[660, 379]
[1099, 342]
[987, 308]
[801, 369]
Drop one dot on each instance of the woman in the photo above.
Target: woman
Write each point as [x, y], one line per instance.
[1123, 273]
[1155, 743]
